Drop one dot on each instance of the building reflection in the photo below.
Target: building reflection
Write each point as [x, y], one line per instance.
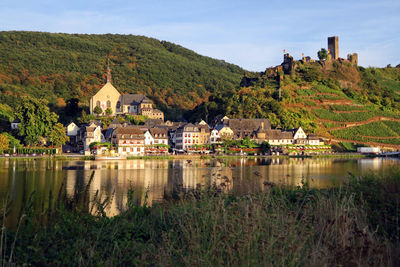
[152, 181]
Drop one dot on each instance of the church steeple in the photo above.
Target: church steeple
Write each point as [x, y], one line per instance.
[108, 75]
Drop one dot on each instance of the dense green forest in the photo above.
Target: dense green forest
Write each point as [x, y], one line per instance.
[60, 67]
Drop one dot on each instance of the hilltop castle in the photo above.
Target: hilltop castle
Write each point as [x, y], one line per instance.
[288, 63]
[108, 98]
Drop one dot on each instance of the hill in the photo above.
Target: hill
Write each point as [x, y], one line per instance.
[60, 67]
[335, 99]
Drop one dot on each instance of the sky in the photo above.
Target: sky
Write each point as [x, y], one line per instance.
[251, 34]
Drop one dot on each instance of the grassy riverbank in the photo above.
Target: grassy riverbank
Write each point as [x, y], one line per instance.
[356, 224]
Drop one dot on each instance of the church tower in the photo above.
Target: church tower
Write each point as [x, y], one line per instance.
[108, 74]
[106, 98]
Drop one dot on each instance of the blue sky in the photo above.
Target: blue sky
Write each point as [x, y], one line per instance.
[251, 34]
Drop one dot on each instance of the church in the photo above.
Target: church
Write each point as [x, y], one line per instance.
[108, 98]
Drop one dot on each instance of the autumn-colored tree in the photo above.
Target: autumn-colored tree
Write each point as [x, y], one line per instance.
[14, 142]
[57, 136]
[4, 142]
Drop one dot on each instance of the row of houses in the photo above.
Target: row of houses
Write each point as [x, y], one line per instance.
[157, 136]
[128, 139]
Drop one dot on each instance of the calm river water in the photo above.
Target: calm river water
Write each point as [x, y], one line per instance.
[44, 180]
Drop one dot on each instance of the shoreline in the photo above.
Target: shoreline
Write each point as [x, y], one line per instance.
[196, 157]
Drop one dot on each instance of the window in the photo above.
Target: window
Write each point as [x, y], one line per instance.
[118, 104]
[108, 104]
[98, 103]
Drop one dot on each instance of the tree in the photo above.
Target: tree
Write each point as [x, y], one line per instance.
[4, 142]
[136, 119]
[322, 54]
[83, 118]
[36, 119]
[266, 147]
[72, 108]
[57, 136]
[6, 112]
[109, 111]
[98, 110]
[14, 142]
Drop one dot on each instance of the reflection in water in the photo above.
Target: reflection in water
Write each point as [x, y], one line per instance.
[153, 180]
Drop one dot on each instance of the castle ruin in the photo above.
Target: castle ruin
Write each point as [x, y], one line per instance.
[333, 46]
[288, 63]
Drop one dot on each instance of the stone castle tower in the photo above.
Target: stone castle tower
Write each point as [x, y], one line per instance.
[333, 46]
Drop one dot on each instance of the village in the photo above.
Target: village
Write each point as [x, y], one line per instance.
[158, 137]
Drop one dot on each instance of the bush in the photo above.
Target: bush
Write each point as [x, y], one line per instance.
[109, 111]
[97, 110]
[380, 198]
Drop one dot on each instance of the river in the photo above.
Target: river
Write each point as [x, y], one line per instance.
[40, 182]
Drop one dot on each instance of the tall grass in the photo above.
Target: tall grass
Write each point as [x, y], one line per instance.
[356, 224]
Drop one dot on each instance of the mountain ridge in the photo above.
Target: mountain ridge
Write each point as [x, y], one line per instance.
[60, 66]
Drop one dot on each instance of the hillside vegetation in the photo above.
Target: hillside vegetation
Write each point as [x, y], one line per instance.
[61, 67]
[334, 99]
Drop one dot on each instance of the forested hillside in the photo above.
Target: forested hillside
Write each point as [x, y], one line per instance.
[61, 67]
[335, 99]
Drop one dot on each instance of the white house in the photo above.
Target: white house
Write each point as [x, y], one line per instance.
[187, 136]
[14, 124]
[299, 134]
[219, 133]
[214, 137]
[72, 129]
[148, 138]
[91, 134]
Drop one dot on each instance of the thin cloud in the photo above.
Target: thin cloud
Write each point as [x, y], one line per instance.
[251, 34]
